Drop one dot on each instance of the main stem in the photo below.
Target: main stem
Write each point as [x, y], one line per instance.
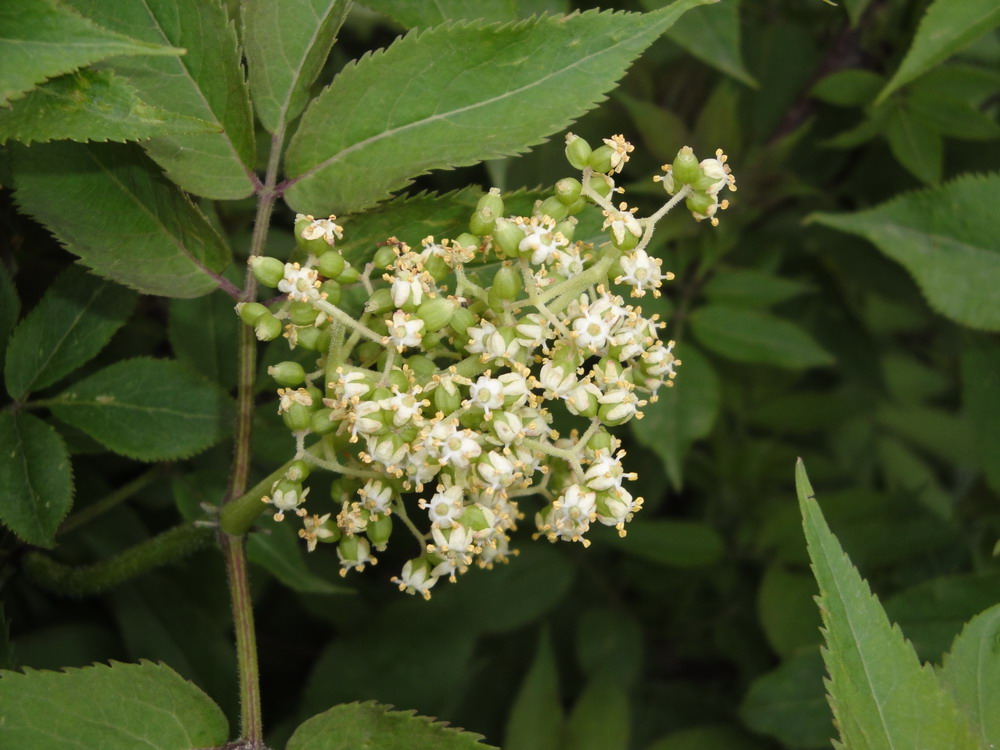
[233, 547]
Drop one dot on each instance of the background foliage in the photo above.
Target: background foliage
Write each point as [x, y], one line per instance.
[846, 311]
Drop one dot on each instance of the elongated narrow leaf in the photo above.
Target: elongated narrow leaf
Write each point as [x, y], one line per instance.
[916, 145]
[424, 15]
[882, 697]
[280, 552]
[981, 401]
[536, 716]
[36, 478]
[445, 97]
[601, 719]
[40, 39]
[712, 34]
[111, 206]
[286, 45]
[356, 725]
[677, 544]
[90, 105]
[971, 671]
[946, 238]
[148, 409]
[10, 308]
[946, 28]
[116, 707]
[207, 84]
[204, 335]
[74, 320]
[747, 335]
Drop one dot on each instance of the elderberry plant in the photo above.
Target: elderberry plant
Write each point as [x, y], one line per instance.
[435, 406]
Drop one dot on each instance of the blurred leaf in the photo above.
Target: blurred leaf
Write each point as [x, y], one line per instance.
[748, 335]
[279, 552]
[10, 308]
[421, 15]
[207, 83]
[910, 381]
[712, 737]
[945, 29]
[204, 334]
[77, 644]
[719, 123]
[915, 144]
[147, 409]
[676, 544]
[981, 401]
[535, 721]
[788, 703]
[6, 647]
[435, 109]
[70, 325]
[786, 610]
[938, 432]
[40, 39]
[945, 237]
[609, 645]
[972, 673]
[848, 88]
[943, 109]
[110, 707]
[36, 478]
[662, 131]
[907, 474]
[880, 693]
[752, 288]
[681, 414]
[601, 718]
[855, 8]
[712, 34]
[90, 105]
[146, 235]
[373, 726]
[286, 46]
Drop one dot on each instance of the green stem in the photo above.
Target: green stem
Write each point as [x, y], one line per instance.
[102, 506]
[251, 723]
[80, 581]
[239, 515]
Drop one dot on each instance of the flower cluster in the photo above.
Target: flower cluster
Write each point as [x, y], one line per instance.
[435, 403]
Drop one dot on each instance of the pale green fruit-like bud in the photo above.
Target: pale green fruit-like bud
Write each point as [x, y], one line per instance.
[321, 423]
[331, 264]
[424, 367]
[380, 302]
[628, 241]
[468, 240]
[297, 417]
[578, 151]
[436, 313]
[601, 441]
[398, 378]
[378, 531]
[461, 319]
[302, 313]
[482, 222]
[474, 518]
[507, 283]
[385, 256]
[313, 339]
[250, 312]
[491, 201]
[507, 236]
[567, 190]
[437, 268]
[332, 291]
[600, 158]
[298, 471]
[267, 327]
[446, 402]
[699, 203]
[268, 271]
[567, 228]
[349, 275]
[600, 185]
[685, 168]
[289, 374]
[553, 208]
[576, 206]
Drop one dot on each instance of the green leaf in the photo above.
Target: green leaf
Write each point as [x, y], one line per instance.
[915, 144]
[286, 45]
[111, 206]
[535, 720]
[116, 707]
[786, 610]
[788, 703]
[72, 323]
[147, 409]
[10, 309]
[279, 552]
[442, 98]
[40, 39]
[945, 29]
[421, 15]
[712, 34]
[208, 83]
[36, 478]
[90, 105]
[747, 335]
[882, 697]
[676, 544]
[681, 414]
[848, 88]
[709, 737]
[601, 718]
[204, 334]
[971, 671]
[749, 288]
[855, 8]
[609, 644]
[946, 238]
[981, 401]
[369, 725]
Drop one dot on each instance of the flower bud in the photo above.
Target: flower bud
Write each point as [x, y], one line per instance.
[600, 158]
[297, 417]
[482, 222]
[268, 271]
[332, 291]
[424, 367]
[567, 190]
[378, 531]
[507, 236]
[437, 268]
[321, 422]
[507, 283]
[436, 313]
[313, 339]
[267, 327]
[461, 319]
[302, 313]
[331, 264]
[491, 201]
[298, 471]
[468, 240]
[577, 151]
[289, 374]
[349, 275]
[553, 208]
[601, 185]
[685, 168]
[250, 312]
[384, 257]
[380, 302]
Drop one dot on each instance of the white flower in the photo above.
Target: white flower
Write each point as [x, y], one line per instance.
[621, 222]
[616, 506]
[315, 530]
[406, 287]
[642, 272]
[287, 499]
[478, 336]
[445, 506]
[354, 552]
[486, 394]
[496, 470]
[404, 331]
[287, 397]
[417, 577]
[622, 149]
[376, 496]
[455, 447]
[557, 379]
[328, 229]
[300, 283]
[540, 239]
[569, 517]
[591, 331]
[717, 169]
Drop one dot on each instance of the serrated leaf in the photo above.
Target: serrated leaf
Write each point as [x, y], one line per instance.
[676, 544]
[90, 105]
[204, 334]
[370, 725]
[442, 98]
[111, 206]
[981, 401]
[280, 552]
[116, 707]
[881, 696]
[40, 39]
[208, 84]
[755, 336]
[286, 45]
[946, 238]
[147, 409]
[848, 88]
[946, 28]
[36, 478]
[72, 323]
[916, 145]
[971, 671]
[422, 15]
[712, 34]
[681, 414]
[535, 720]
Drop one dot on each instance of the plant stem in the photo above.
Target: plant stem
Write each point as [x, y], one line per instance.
[108, 502]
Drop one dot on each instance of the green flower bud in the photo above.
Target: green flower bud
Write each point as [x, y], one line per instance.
[297, 417]
[302, 313]
[685, 168]
[507, 283]
[567, 228]
[268, 271]
[600, 185]
[316, 395]
[567, 190]
[432, 340]
[601, 441]
[379, 530]
[331, 264]
[699, 203]
[577, 151]
[474, 518]
[576, 206]
[320, 421]
[367, 351]
[288, 374]
[491, 201]
[398, 378]
[553, 208]
[385, 256]
[600, 158]
[250, 311]
[607, 410]
[507, 236]
[380, 302]
[629, 240]
[467, 240]
[298, 471]
[446, 402]
[332, 291]
[460, 321]
[437, 268]
[436, 313]
[482, 222]
[267, 327]
[313, 339]
[424, 367]
[349, 275]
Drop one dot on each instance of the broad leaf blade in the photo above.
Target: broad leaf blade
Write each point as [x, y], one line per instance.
[422, 15]
[946, 239]
[111, 206]
[10, 308]
[90, 105]
[204, 334]
[981, 401]
[971, 671]
[116, 707]
[601, 718]
[40, 39]
[916, 145]
[443, 98]
[147, 409]
[207, 84]
[882, 697]
[280, 552]
[286, 46]
[72, 323]
[36, 479]
[946, 28]
[353, 725]
[712, 34]
[676, 544]
[536, 717]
